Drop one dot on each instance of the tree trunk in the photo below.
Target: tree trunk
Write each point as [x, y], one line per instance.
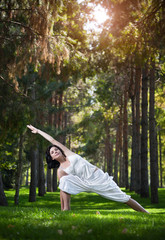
[58, 100]
[156, 130]
[116, 156]
[121, 144]
[54, 180]
[33, 159]
[125, 139]
[144, 136]
[132, 97]
[118, 144]
[56, 114]
[52, 117]
[27, 177]
[49, 182]
[108, 150]
[3, 199]
[41, 175]
[19, 171]
[60, 103]
[122, 171]
[132, 184]
[33, 182]
[111, 157]
[137, 131]
[160, 158]
[153, 142]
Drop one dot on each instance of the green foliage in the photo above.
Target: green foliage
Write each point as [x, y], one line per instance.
[8, 152]
[45, 48]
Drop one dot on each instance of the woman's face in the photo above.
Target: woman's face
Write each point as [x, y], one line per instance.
[55, 153]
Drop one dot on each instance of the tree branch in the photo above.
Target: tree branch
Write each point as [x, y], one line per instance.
[154, 11]
[20, 24]
[15, 9]
[29, 28]
[17, 93]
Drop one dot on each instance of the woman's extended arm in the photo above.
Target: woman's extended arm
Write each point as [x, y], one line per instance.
[66, 150]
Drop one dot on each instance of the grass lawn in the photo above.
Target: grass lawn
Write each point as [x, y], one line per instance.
[92, 217]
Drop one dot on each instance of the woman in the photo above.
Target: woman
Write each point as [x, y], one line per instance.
[76, 175]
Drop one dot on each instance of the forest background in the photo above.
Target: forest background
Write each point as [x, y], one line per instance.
[97, 88]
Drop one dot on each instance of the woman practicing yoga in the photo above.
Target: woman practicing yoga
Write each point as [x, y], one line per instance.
[76, 175]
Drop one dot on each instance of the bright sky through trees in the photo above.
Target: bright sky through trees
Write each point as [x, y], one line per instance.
[98, 16]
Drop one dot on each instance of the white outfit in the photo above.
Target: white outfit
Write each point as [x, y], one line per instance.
[85, 177]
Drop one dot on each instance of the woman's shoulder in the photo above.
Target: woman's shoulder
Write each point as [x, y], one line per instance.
[74, 157]
[77, 159]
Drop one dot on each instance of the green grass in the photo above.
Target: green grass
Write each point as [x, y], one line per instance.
[44, 220]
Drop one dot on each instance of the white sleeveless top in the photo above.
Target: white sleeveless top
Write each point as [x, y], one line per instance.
[79, 167]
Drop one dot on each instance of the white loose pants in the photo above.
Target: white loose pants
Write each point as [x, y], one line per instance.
[100, 183]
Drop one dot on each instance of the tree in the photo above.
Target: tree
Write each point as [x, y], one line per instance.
[153, 141]
[125, 137]
[19, 170]
[144, 135]
[118, 146]
[59, 76]
[49, 180]
[41, 175]
[33, 182]
[108, 149]
[3, 200]
[138, 164]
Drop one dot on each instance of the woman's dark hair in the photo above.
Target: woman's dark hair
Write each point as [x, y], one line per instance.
[53, 163]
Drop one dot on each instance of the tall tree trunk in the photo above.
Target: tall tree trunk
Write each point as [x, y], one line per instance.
[56, 114]
[111, 157]
[27, 176]
[33, 182]
[132, 184]
[137, 131]
[108, 150]
[53, 101]
[121, 144]
[117, 149]
[49, 180]
[156, 129]
[125, 139]
[41, 175]
[144, 136]
[3, 199]
[118, 144]
[19, 171]
[153, 142]
[160, 158]
[33, 159]
[28, 167]
[122, 171]
[132, 97]
[54, 183]
[60, 103]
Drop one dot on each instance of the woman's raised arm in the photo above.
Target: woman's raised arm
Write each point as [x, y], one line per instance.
[66, 150]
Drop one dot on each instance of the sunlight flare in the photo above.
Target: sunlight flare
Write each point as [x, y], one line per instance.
[99, 14]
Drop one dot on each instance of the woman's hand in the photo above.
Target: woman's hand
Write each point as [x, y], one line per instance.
[51, 140]
[33, 129]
